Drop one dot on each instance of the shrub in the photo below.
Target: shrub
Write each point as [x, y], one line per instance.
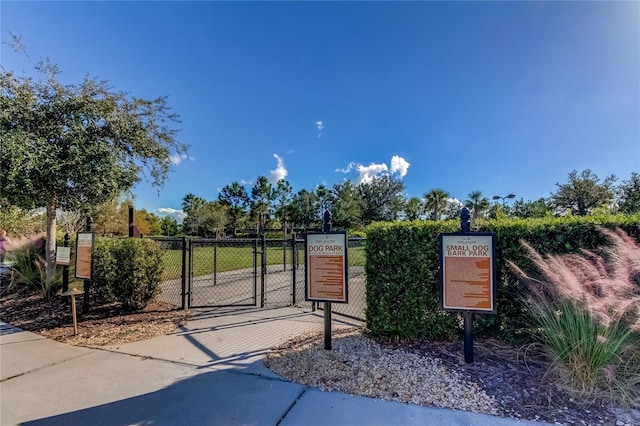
[402, 271]
[402, 281]
[127, 270]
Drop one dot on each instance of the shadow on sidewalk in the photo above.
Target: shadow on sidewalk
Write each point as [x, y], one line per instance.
[219, 398]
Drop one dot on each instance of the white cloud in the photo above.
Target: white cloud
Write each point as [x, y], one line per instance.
[349, 167]
[279, 173]
[366, 173]
[320, 126]
[179, 158]
[399, 165]
[178, 215]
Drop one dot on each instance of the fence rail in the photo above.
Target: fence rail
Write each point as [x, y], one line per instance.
[249, 272]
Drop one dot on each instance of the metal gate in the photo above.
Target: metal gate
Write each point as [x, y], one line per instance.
[255, 272]
[240, 272]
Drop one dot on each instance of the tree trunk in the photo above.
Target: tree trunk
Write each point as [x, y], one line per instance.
[50, 247]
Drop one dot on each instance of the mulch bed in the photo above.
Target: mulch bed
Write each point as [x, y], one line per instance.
[104, 324]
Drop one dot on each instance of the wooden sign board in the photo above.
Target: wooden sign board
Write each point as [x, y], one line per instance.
[326, 276]
[468, 272]
[84, 255]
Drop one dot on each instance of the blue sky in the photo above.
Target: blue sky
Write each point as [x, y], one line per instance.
[499, 97]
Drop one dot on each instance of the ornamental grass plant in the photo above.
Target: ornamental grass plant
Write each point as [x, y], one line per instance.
[587, 307]
[30, 268]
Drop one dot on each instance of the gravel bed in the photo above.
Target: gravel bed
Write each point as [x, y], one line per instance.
[360, 366]
[503, 381]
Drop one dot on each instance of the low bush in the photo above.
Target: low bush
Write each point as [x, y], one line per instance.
[127, 270]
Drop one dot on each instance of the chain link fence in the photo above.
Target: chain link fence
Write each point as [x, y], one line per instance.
[173, 286]
[260, 272]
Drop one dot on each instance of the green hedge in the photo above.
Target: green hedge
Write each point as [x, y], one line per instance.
[127, 270]
[403, 271]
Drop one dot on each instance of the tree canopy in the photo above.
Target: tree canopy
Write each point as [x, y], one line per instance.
[73, 146]
[583, 192]
[629, 194]
[382, 199]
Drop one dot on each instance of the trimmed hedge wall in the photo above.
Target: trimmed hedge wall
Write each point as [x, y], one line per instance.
[403, 272]
[127, 270]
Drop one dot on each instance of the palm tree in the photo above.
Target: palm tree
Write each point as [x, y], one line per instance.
[435, 202]
[413, 208]
[477, 203]
[191, 205]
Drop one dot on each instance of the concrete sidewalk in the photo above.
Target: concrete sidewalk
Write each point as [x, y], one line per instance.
[209, 372]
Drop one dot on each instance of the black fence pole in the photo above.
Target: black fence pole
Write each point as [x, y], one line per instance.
[215, 262]
[263, 242]
[284, 245]
[191, 249]
[255, 271]
[87, 283]
[131, 225]
[184, 273]
[294, 268]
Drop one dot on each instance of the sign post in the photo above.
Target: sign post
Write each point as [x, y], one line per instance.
[326, 275]
[468, 276]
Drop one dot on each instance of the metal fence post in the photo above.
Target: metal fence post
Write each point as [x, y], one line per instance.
[215, 262]
[263, 269]
[284, 247]
[190, 276]
[131, 222]
[293, 268]
[184, 272]
[255, 271]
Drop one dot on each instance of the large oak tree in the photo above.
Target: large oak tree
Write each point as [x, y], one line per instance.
[73, 146]
[583, 192]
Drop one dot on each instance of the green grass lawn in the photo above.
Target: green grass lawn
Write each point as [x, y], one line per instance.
[234, 258]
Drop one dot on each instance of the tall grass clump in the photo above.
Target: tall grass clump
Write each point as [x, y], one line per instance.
[587, 306]
[30, 268]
